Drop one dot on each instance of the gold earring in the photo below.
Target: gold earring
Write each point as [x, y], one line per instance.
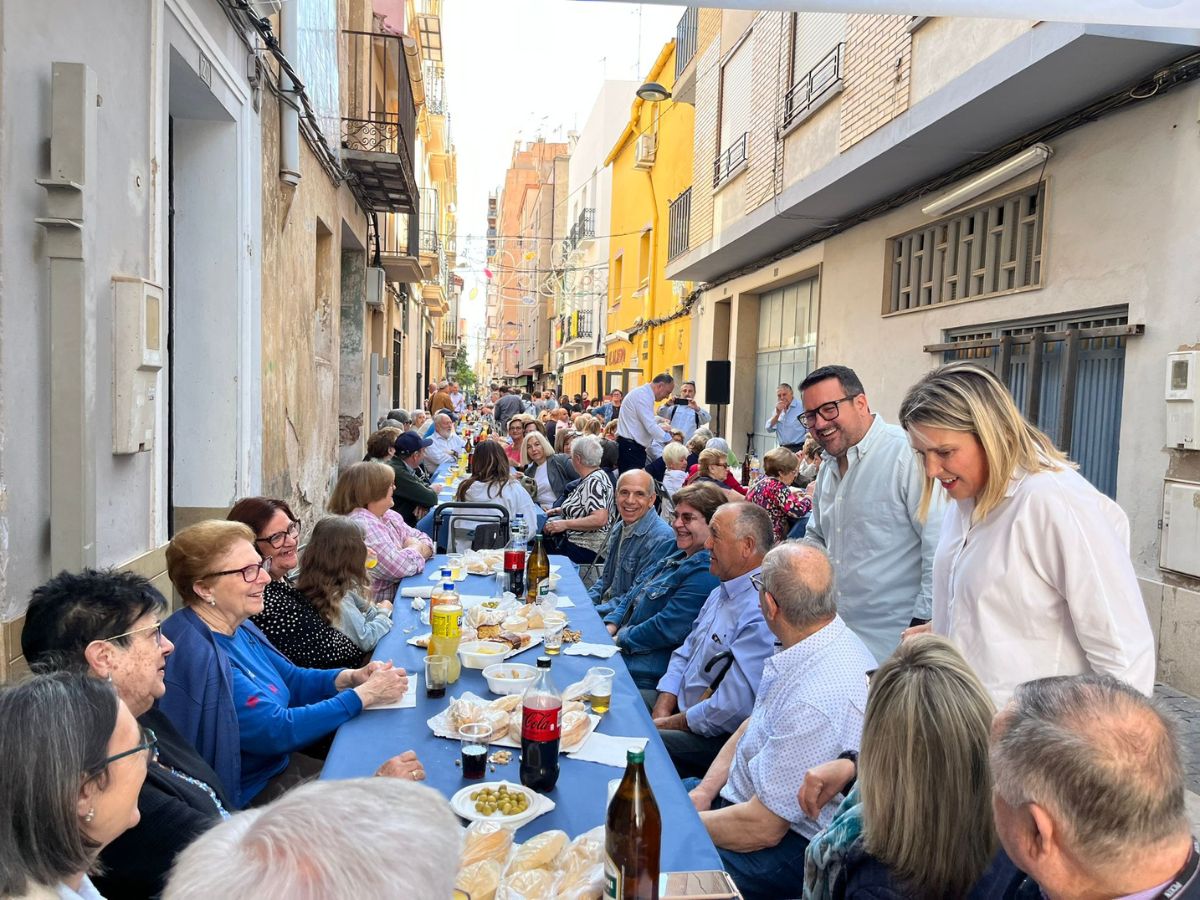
[91, 814]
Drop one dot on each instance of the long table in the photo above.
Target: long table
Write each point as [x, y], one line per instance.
[366, 741]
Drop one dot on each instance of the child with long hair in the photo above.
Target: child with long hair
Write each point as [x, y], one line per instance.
[333, 578]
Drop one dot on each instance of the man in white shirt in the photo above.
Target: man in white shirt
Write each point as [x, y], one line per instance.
[687, 417]
[865, 504]
[446, 444]
[458, 399]
[809, 707]
[637, 428]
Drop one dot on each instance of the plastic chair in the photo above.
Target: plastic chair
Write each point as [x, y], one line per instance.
[493, 514]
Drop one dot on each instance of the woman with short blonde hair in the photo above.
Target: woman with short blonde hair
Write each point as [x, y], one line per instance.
[1068, 602]
[919, 820]
[359, 485]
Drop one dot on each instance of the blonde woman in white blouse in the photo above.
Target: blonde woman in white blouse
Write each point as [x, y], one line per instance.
[1032, 575]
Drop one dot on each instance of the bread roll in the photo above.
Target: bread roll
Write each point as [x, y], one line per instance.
[539, 851]
[486, 840]
[527, 884]
[479, 880]
[508, 702]
[574, 727]
[514, 725]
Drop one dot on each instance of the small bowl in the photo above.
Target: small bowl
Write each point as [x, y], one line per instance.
[500, 682]
[479, 654]
[514, 623]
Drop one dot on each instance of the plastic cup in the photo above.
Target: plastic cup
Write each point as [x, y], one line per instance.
[437, 671]
[599, 680]
[553, 635]
[456, 566]
[474, 740]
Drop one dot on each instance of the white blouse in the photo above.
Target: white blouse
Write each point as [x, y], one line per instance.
[1042, 586]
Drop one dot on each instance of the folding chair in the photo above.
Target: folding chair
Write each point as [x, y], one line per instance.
[492, 516]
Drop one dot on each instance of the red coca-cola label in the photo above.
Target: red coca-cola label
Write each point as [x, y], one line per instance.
[514, 560]
[541, 724]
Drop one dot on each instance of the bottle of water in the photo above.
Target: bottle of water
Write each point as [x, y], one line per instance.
[519, 535]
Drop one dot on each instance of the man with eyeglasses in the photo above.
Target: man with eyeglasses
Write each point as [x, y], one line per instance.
[865, 511]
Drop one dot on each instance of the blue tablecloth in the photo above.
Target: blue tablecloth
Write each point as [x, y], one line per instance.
[364, 742]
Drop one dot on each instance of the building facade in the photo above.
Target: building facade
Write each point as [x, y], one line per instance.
[187, 315]
[581, 260]
[891, 192]
[649, 328]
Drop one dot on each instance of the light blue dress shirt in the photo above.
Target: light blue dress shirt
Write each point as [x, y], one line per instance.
[867, 521]
[809, 709]
[730, 619]
[788, 429]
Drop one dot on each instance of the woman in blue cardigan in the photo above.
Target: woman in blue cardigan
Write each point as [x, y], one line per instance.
[242, 704]
[651, 619]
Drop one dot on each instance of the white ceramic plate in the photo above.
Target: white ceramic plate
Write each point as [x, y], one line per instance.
[462, 803]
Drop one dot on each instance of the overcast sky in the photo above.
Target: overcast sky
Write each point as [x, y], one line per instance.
[517, 69]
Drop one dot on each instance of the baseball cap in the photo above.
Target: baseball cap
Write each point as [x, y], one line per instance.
[410, 442]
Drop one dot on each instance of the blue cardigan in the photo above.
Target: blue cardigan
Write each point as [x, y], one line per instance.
[214, 705]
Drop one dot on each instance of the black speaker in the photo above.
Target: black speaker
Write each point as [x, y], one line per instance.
[716, 381]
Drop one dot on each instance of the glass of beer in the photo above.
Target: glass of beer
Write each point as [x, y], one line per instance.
[599, 681]
[474, 738]
[456, 566]
[553, 635]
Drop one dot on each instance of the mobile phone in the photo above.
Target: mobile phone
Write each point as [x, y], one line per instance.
[710, 885]
[679, 401]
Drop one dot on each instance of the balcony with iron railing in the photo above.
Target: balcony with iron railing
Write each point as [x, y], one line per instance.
[379, 122]
[686, 36]
[398, 240]
[577, 328]
[435, 89]
[679, 216]
[584, 229]
[813, 87]
[732, 159]
[435, 288]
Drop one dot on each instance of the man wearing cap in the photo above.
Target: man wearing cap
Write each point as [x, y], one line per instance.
[412, 497]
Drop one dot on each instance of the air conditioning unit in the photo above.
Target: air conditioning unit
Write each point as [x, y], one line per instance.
[264, 9]
[376, 285]
[647, 146]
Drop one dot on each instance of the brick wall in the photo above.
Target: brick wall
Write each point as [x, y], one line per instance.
[878, 70]
[770, 68]
[708, 29]
[708, 82]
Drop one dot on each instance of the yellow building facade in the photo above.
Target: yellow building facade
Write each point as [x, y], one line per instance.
[651, 174]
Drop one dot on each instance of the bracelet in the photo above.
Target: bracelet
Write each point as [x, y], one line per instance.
[851, 755]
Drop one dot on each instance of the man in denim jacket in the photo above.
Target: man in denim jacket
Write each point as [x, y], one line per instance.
[654, 616]
[637, 543]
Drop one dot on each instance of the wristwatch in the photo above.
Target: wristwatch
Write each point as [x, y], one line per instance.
[851, 755]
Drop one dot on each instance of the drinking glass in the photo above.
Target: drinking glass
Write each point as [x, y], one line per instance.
[553, 635]
[456, 563]
[437, 671]
[599, 681]
[474, 738]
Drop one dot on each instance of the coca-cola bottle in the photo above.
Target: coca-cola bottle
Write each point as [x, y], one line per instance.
[514, 558]
[541, 726]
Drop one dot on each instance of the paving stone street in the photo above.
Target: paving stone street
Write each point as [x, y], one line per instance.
[1186, 710]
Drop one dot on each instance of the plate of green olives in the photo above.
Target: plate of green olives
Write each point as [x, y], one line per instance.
[498, 801]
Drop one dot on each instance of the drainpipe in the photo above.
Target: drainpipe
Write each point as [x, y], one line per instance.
[289, 117]
[648, 302]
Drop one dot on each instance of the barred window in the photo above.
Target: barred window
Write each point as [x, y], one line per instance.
[992, 249]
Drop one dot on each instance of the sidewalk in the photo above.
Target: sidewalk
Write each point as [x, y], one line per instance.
[1186, 710]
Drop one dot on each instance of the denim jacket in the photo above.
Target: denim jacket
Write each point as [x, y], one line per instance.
[656, 615]
[650, 540]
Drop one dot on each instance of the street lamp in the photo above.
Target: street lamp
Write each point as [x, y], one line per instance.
[653, 92]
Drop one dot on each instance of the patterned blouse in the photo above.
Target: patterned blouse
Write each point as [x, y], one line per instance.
[386, 535]
[782, 504]
[299, 632]
[592, 493]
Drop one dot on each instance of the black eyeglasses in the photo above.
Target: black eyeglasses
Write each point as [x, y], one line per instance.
[276, 540]
[827, 411]
[157, 626]
[248, 573]
[149, 742]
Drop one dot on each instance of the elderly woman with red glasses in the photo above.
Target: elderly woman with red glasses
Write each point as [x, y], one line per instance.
[293, 625]
[244, 706]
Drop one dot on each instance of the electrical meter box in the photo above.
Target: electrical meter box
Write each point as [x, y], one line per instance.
[139, 345]
[1183, 400]
[1180, 545]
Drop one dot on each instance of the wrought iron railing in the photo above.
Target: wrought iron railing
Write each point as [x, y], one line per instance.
[686, 33]
[679, 217]
[583, 229]
[731, 157]
[435, 90]
[430, 243]
[812, 85]
[398, 234]
[380, 117]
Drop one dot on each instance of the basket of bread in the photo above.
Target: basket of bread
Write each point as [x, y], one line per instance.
[548, 865]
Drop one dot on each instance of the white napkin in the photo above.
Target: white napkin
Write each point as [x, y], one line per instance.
[565, 603]
[425, 592]
[407, 701]
[583, 648]
[607, 749]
